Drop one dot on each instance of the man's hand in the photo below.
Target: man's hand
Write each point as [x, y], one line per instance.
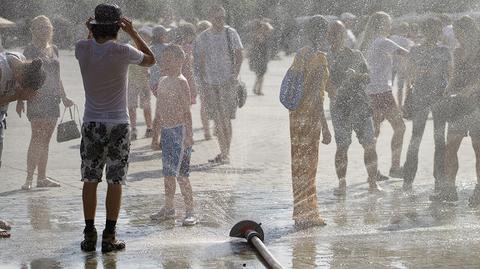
[20, 108]
[127, 26]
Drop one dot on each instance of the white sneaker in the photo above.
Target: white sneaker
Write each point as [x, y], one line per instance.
[164, 214]
[190, 220]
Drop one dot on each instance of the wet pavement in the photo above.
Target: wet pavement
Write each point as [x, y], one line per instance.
[364, 231]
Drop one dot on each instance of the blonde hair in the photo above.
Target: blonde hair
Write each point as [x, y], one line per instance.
[203, 25]
[40, 22]
[376, 26]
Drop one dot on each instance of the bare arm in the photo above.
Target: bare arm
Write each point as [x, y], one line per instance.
[238, 62]
[149, 58]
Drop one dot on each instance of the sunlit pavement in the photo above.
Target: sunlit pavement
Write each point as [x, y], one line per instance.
[363, 231]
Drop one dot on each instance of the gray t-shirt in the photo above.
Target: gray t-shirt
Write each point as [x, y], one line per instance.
[104, 70]
[213, 45]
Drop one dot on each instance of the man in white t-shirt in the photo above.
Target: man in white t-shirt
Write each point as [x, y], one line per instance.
[106, 131]
[219, 60]
[379, 57]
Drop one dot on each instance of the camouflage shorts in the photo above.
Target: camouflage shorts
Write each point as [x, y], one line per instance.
[105, 144]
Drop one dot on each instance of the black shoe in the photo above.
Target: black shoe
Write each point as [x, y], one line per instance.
[110, 243]
[474, 200]
[446, 194]
[396, 172]
[90, 241]
[381, 177]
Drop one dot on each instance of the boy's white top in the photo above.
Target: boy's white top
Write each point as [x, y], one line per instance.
[218, 65]
[104, 70]
[379, 58]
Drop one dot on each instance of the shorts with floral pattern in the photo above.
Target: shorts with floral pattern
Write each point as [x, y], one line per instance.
[105, 145]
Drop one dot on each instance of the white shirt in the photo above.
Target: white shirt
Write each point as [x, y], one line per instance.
[104, 70]
[212, 44]
[379, 58]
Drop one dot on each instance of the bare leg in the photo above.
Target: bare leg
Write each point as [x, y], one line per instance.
[113, 201]
[259, 85]
[394, 116]
[89, 197]
[451, 158]
[33, 149]
[170, 186]
[147, 113]
[133, 117]
[47, 132]
[371, 161]
[341, 162]
[224, 133]
[187, 193]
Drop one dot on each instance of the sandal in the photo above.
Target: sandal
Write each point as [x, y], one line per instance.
[47, 183]
[90, 241]
[111, 243]
[5, 225]
[4, 234]
[219, 159]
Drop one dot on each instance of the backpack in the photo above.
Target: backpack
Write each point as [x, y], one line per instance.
[293, 83]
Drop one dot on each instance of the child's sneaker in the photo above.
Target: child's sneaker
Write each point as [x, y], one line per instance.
[164, 214]
[190, 220]
[90, 241]
[110, 243]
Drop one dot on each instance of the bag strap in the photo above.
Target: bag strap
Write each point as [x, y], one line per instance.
[230, 48]
[72, 114]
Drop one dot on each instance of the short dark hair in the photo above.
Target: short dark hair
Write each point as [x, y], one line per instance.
[33, 75]
[316, 27]
[105, 30]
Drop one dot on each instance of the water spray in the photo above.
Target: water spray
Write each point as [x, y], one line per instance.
[254, 235]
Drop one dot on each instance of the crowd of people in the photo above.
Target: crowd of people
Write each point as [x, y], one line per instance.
[434, 69]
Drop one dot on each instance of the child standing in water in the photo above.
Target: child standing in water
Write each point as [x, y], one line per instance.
[175, 121]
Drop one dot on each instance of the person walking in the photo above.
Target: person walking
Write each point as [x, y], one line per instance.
[139, 93]
[379, 51]
[259, 52]
[43, 110]
[465, 118]
[350, 106]
[201, 27]
[219, 60]
[429, 66]
[106, 131]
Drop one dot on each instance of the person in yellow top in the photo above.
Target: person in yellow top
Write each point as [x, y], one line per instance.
[307, 122]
